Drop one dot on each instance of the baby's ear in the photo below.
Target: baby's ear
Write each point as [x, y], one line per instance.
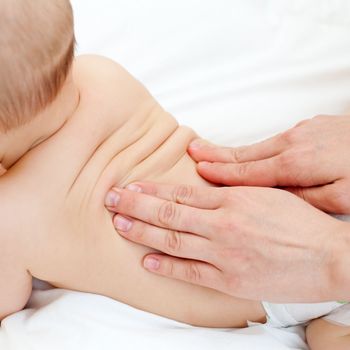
[2, 170]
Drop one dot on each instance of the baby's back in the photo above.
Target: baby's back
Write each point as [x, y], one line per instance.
[65, 236]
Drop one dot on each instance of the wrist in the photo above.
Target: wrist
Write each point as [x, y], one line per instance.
[340, 267]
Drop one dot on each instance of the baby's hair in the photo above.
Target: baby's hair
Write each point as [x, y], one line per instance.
[36, 54]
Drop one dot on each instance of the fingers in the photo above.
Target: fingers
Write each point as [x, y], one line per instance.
[201, 150]
[259, 173]
[190, 271]
[199, 197]
[160, 212]
[168, 241]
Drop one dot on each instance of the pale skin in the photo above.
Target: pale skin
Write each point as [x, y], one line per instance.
[233, 239]
[311, 160]
[113, 135]
[255, 241]
[103, 129]
[212, 236]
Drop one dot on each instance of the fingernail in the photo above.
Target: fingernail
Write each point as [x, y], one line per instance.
[151, 263]
[112, 199]
[195, 144]
[134, 188]
[198, 143]
[121, 223]
[203, 164]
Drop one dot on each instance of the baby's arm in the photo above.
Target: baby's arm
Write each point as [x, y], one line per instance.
[323, 335]
[15, 281]
[15, 289]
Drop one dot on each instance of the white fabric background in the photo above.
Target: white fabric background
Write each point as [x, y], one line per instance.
[236, 71]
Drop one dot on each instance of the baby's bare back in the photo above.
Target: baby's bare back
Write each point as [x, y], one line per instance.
[119, 134]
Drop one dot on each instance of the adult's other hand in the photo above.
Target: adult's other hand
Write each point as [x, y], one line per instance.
[312, 160]
[250, 242]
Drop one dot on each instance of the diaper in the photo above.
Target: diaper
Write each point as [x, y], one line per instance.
[284, 315]
[340, 316]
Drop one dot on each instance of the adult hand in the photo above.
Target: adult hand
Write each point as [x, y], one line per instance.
[250, 242]
[312, 160]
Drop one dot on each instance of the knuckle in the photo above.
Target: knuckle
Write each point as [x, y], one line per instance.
[192, 273]
[128, 202]
[172, 242]
[236, 154]
[170, 269]
[137, 234]
[182, 193]
[243, 169]
[167, 213]
[291, 136]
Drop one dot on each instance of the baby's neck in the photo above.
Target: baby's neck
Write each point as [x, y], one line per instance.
[17, 142]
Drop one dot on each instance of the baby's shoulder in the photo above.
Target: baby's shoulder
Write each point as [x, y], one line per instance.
[109, 91]
[98, 75]
[95, 67]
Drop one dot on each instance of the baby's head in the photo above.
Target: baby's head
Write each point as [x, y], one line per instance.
[37, 48]
[36, 53]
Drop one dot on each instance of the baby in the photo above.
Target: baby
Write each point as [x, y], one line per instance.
[70, 129]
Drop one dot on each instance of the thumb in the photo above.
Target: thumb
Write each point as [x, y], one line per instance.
[331, 198]
[259, 173]
[203, 150]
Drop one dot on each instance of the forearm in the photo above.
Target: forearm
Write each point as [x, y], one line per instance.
[15, 281]
[15, 292]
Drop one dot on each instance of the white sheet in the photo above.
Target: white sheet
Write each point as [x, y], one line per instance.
[234, 70]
